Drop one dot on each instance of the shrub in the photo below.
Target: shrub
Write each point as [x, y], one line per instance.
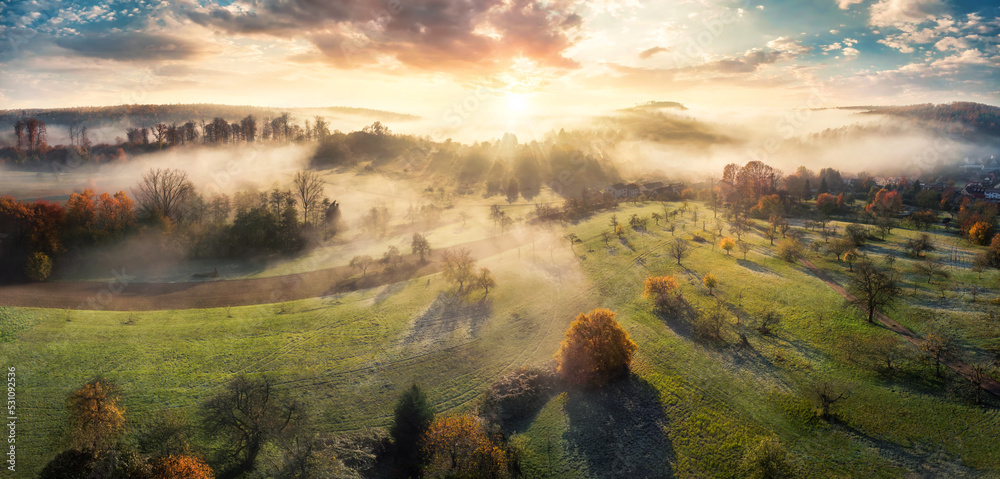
[39, 266]
[516, 394]
[596, 349]
[767, 459]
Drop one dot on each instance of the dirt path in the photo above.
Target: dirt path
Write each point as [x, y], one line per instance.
[988, 384]
[122, 295]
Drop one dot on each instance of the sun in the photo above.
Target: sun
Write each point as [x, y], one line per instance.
[517, 103]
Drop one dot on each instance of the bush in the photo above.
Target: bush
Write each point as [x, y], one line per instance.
[516, 394]
[596, 350]
[181, 467]
[767, 459]
[39, 267]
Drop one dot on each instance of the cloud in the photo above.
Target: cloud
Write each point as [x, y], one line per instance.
[845, 4]
[850, 52]
[652, 51]
[899, 13]
[483, 36]
[788, 45]
[951, 43]
[134, 46]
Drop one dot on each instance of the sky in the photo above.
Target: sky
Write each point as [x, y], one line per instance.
[443, 59]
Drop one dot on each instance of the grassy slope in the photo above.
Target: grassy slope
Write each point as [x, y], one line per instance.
[348, 356]
[718, 399]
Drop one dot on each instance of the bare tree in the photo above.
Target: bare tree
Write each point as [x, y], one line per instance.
[164, 192]
[308, 187]
[931, 268]
[362, 262]
[873, 287]
[679, 249]
[828, 393]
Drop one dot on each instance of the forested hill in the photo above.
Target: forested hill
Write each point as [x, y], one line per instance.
[973, 117]
[147, 115]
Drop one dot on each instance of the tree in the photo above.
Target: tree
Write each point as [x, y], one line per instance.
[362, 262]
[789, 250]
[917, 246]
[411, 419]
[745, 248]
[97, 418]
[606, 236]
[931, 269]
[980, 233]
[656, 218]
[769, 319]
[458, 446]
[39, 266]
[181, 467]
[766, 460]
[850, 257]
[459, 267]
[308, 188]
[573, 239]
[164, 193]
[678, 249]
[828, 393]
[874, 288]
[245, 417]
[727, 244]
[662, 290]
[935, 347]
[710, 282]
[376, 221]
[485, 280]
[596, 350]
[420, 246]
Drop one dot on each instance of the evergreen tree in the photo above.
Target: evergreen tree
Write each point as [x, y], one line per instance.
[823, 188]
[807, 191]
[412, 417]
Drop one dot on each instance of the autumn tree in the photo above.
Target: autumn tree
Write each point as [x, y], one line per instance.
[727, 244]
[308, 188]
[710, 282]
[411, 418]
[874, 287]
[790, 249]
[39, 266]
[678, 249]
[181, 467]
[980, 233]
[97, 418]
[164, 193]
[459, 267]
[420, 246]
[245, 417]
[596, 350]
[663, 291]
[458, 446]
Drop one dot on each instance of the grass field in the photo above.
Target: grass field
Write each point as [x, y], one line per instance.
[692, 408]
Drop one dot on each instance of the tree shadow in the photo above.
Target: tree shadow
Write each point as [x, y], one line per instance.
[449, 314]
[679, 317]
[753, 266]
[620, 430]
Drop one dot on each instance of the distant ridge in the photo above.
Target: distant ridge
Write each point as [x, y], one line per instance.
[652, 105]
[151, 114]
[979, 117]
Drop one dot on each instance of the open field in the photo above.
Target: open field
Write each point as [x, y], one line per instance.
[692, 408]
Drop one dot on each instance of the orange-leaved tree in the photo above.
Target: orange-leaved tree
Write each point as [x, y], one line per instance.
[458, 446]
[662, 290]
[96, 416]
[727, 244]
[181, 467]
[596, 349]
